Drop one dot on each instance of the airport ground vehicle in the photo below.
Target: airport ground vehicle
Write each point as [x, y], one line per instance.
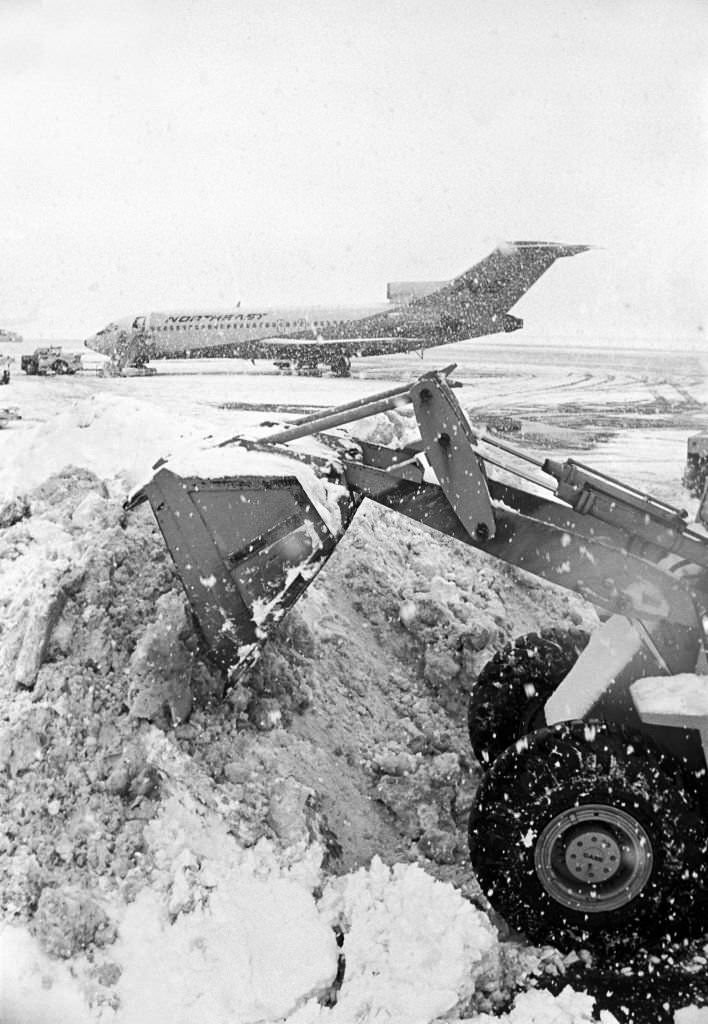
[695, 474]
[51, 359]
[590, 826]
[696, 471]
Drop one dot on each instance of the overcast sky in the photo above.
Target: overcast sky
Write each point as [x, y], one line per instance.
[176, 153]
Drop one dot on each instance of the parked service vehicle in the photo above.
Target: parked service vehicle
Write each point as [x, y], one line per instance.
[696, 471]
[51, 359]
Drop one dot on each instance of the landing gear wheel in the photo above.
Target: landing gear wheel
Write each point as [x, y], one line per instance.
[583, 835]
[341, 366]
[308, 370]
[511, 690]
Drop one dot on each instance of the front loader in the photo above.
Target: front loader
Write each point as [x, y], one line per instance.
[590, 825]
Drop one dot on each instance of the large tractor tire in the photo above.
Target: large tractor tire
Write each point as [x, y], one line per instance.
[582, 835]
[511, 690]
[60, 367]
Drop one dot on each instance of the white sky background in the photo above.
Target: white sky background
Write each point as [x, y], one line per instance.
[174, 153]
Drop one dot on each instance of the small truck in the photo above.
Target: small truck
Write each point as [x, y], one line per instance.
[50, 359]
[696, 470]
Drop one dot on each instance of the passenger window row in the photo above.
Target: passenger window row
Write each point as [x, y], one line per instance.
[277, 325]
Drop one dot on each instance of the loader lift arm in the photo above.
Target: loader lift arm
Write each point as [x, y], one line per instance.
[589, 849]
[622, 550]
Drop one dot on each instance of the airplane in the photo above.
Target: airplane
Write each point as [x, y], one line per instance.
[417, 315]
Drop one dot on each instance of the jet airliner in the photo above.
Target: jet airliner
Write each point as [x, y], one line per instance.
[417, 315]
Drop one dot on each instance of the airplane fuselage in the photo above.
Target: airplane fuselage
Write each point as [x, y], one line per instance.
[199, 333]
[300, 334]
[419, 314]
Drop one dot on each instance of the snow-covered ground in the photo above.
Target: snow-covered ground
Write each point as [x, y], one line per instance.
[591, 390]
[292, 849]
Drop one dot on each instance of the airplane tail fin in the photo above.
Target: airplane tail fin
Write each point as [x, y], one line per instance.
[480, 299]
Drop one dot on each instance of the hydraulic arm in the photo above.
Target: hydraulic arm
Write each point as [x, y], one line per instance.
[248, 539]
[579, 829]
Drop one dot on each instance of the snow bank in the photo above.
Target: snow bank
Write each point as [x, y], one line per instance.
[396, 428]
[119, 437]
[540, 1007]
[413, 946]
[135, 853]
[251, 954]
[209, 940]
[109, 434]
[162, 831]
[35, 989]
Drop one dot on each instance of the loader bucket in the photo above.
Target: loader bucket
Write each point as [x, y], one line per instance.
[246, 548]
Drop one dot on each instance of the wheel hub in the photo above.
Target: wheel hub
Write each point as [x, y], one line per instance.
[593, 858]
[593, 855]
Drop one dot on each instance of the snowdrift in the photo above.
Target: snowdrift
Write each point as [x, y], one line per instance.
[290, 848]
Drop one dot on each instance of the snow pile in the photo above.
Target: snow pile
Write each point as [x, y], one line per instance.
[95, 646]
[108, 434]
[226, 934]
[169, 844]
[413, 946]
[206, 941]
[396, 428]
[217, 925]
[34, 988]
[539, 1007]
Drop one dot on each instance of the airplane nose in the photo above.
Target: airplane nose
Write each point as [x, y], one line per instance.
[96, 343]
